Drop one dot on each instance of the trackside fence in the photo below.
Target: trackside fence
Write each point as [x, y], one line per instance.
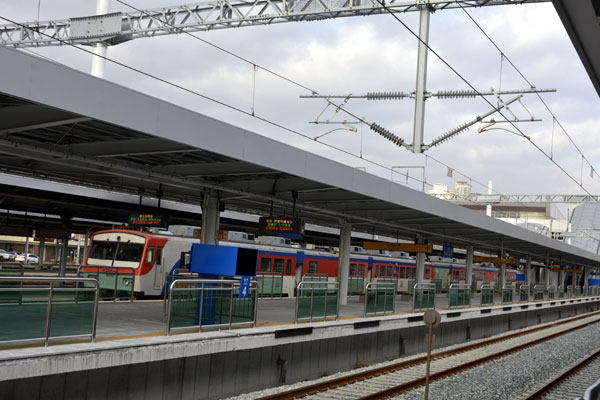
[487, 294]
[523, 293]
[39, 309]
[551, 292]
[538, 292]
[507, 293]
[570, 291]
[116, 283]
[317, 300]
[379, 298]
[270, 284]
[460, 295]
[209, 304]
[561, 291]
[356, 285]
[176, 273]
[423, 296]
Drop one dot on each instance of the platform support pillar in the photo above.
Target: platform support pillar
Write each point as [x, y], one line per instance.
[99, 48]
[210, 218]
[42, 251]
[502, 275]
[586, 276]
[528, 271]
[469, 265]
[344, 261]
[64, 253]
[561, 275]
[547, 273]
[26, 247]
[420, 261]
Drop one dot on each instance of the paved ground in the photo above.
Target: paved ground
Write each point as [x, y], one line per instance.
[147, 317]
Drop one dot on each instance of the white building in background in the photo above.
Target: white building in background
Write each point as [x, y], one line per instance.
[439, 188]
[462, 188]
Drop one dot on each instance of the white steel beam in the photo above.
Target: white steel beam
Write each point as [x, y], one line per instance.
[219, 14]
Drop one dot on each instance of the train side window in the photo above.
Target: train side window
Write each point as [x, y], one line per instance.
[401, 272]
[381, 270]
[288, 267]
[352, 269]
[278, 266]
[427, 273]
[312, 267]
[361, 269]
[390, 270]
[150, 255]
[159, 252]
[265, 265]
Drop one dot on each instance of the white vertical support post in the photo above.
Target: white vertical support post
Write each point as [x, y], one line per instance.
[64, 254]
[547, 273]
[85, 245]
[210, 218]
[344, 261]
[502, 274]
[586, 276]
[99, 48]
[78, 252]
[26, 247]
[488, 208]
[528, 271]
[42, 251]
[420, 263]
[561, 275]
[419, 122]
[469, 265]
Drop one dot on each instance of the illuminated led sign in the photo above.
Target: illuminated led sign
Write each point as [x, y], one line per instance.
[281, 226]
[142, 220]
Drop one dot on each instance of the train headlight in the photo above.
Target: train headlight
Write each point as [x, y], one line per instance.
[126, 281]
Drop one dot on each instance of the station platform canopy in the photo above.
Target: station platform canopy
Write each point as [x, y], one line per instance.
[63, 125]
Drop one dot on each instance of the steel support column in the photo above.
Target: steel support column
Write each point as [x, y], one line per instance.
[528, 271]
[420, 261]
[344, 261]
[41, 252]
[99, 48]
[547, 274]
[64, 254]
[502, 274]
[210, 218]
[469, 265]
[421, 80]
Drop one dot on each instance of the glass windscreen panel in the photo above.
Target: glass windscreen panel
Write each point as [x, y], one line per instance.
[124, 250]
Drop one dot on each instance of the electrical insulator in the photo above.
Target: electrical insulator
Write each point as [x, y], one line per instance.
[386, 95]
[386, 134]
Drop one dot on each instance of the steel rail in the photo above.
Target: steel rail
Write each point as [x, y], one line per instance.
[362, 376]
[557, 381]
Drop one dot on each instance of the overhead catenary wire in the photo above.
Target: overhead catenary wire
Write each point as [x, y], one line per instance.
[554, 118]
[461, 77]
[236, 108]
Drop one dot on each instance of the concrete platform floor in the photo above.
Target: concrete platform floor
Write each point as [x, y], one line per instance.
[123, 319]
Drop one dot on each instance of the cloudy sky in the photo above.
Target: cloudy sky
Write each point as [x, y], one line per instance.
[376, 53]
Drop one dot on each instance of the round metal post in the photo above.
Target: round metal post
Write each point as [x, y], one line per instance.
[431, 318]
[95, 316]
[48, 313]
[231, 305]
[201, 307]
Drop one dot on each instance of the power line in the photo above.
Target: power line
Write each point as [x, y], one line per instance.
[504, 56]
[480, 95]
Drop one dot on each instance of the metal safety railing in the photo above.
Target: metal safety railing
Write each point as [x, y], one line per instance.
[380, 298]
[507, 293]
[356, 285]
[210, 303]
[35, 309]
[438, 285]
[110, 279]
[317, 300]
[176, 273]
[585, 291]
[487, 294]
[270, 284]
[570, 291]
[460, 295]
[551, 292]
[523, 293]
[12, 268]
[423, 296]
[561, 291]
[538, 292]
[577, 291]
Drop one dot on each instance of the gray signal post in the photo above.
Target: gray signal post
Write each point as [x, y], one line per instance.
[431, 318]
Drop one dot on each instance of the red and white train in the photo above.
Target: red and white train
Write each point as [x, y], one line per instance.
[153, 256]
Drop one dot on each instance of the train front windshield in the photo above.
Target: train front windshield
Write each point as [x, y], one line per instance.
[118, 251]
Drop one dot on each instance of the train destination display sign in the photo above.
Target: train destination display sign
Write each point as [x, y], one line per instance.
[292, 228]
[145, 219]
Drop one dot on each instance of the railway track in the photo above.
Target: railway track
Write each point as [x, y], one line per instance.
[385, 382]
[571, 383]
